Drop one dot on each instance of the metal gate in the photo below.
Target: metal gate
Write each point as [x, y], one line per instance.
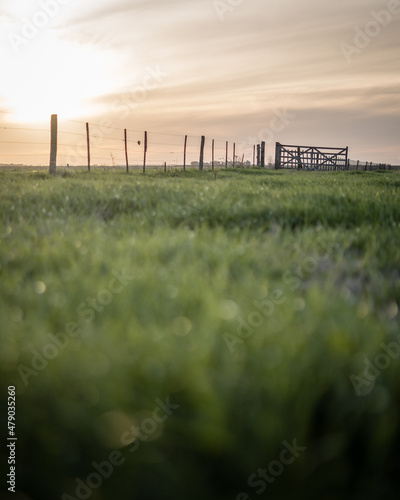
[311, 158]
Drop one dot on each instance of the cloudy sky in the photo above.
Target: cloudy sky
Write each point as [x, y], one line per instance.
[312, 72]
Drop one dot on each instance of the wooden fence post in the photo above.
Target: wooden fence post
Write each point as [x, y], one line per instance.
[254, 155]
[165, 167]
[213, 151]
[201, 162]
[53, 148]
[126, 150]
[184, 153]
[88, 145]
[258, 155]
[145, 152]
[278, 155]
[299, 164]
[226, 155]
[234, 154]
[263, 154]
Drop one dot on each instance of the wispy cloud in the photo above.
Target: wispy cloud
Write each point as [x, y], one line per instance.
[258, 57]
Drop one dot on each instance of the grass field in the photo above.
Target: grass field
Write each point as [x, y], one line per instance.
[170, 335]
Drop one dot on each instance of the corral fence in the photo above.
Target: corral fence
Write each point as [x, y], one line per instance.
[311, 158]
[321, 158]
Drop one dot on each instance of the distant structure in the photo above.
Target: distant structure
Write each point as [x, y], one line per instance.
[311, 158]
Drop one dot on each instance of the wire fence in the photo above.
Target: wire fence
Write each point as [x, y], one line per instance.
[370, 166]
[110, 147]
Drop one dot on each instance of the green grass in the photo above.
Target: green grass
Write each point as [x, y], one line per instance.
[321, 249]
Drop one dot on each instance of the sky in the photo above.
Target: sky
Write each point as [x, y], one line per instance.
[314, 73]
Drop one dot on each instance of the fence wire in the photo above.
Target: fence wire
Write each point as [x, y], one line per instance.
[30, 146]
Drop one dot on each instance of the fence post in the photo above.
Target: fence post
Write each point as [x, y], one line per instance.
[165, 167]
[213, 152]
[254, 155]
[234, 154]
[226, 155]
[184, 153]
[53, 145]
[277, 155]
[126, 150]
[88, 145]
[263, 154]
[145, 152]
[258, 155]
[299, 164]
[201, 162]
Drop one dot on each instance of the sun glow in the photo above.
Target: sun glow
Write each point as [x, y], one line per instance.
[61, 77]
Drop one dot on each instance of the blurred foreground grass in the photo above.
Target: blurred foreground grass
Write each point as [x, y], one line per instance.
[166, 334]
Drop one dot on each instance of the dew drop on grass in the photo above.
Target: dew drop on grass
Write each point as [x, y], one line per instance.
[172, 292]
[392, 310]
[39, 287]
[362, 310]
[299, 304]
[181, 326]
[228, 310]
